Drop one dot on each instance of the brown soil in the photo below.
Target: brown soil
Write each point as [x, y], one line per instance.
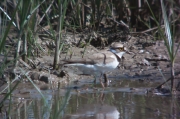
[146, 61]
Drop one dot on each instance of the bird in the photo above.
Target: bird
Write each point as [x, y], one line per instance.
[100, 63]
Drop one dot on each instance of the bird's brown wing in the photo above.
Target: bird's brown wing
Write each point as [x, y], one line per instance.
[97, 58]
[101, 58]
[83, 61]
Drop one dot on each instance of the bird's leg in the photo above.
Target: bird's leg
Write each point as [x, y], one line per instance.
[94, 80]
[100, 79]
[105, 78]
[106, 81]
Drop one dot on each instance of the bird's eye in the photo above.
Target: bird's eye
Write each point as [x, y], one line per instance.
[121, 48]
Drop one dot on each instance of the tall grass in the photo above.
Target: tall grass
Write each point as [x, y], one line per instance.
[60, 103]
[169, 43]
[22, 11]
[25, 20]
[168, 38]
[62, 7]
[4, 33]
[26, 9]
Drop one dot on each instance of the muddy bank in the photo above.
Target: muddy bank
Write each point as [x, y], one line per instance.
[145, 63]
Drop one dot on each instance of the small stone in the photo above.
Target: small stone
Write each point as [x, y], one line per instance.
[133, 66]
[44, 79]
[62, 74]
[35, 76]
[141, 51]
[145, 62]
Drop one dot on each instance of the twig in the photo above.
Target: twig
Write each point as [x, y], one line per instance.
[121, 22]
[159, 86]
[162, 26]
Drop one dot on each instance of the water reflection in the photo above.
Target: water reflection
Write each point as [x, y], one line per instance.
[72, 104]
[121, 105]
[27, 106]
[95, 111]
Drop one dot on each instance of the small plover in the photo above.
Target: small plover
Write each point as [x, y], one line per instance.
[98, 64]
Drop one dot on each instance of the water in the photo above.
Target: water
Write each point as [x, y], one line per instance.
[120, 105]
[119, 101]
